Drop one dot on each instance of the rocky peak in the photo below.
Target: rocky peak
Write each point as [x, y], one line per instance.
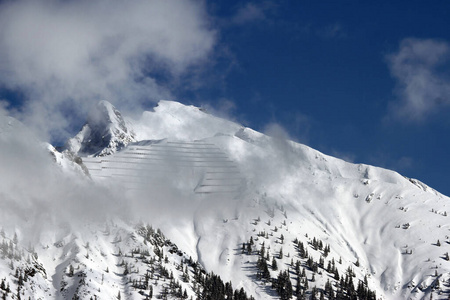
[104, 133]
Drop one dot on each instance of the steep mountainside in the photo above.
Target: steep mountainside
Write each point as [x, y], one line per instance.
[272, 218]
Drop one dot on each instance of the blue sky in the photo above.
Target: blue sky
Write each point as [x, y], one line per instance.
[365, 81]
[322, 70]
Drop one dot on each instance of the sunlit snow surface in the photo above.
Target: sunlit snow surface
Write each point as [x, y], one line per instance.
[192, 166]
[211, 184]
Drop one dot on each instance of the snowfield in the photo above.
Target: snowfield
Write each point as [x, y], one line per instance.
[150, 208]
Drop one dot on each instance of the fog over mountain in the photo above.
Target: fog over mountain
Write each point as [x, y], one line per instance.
[163, 204]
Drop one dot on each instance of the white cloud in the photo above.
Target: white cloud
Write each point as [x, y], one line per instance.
[420, 68]
[66, 54]
[332, 31]
[35, 193]
[252, 12]
[222, 108]
[249, 13]
[276, 131]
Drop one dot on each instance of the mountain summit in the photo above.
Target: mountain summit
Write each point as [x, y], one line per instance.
[104, 133]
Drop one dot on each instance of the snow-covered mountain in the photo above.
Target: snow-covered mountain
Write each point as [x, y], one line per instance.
[239, 214]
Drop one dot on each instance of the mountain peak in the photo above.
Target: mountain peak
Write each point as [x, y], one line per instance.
[176, 121]
[106, 115]
[104, 133]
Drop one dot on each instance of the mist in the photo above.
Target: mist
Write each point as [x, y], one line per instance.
[36, 194]
[65, 56]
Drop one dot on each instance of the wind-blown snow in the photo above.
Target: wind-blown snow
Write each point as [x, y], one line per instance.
[175, 121]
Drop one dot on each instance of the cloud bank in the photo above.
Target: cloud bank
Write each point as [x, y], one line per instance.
[38, 196]
[65, 55]
[421, 70]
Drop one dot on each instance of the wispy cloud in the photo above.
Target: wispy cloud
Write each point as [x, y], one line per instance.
[332, 31]
[327, 32]
[222, 108]
[421, 70]
[249, 13]
[347, 156]
[252, 12]
[66, 54]
[35, 194]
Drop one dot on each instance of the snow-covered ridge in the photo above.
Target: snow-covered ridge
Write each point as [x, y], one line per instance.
[107, 132]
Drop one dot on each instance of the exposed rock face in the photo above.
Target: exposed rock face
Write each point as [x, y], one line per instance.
[104, 133]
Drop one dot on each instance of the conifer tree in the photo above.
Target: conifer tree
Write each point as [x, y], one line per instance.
[262, 251]
[313, 293]
[249, 248]
[274, 264]
[336, 274]
[298, 287]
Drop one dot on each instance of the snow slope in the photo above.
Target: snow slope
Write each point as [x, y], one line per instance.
[212, 186]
